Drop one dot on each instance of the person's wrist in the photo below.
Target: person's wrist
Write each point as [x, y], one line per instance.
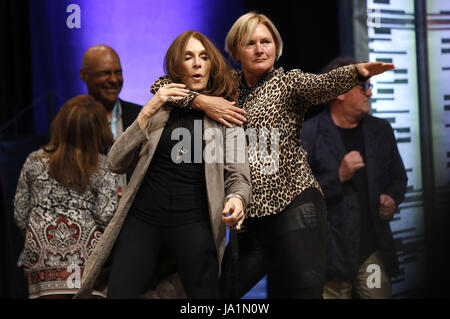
[146, 113]
[236, 196]
[197, 102]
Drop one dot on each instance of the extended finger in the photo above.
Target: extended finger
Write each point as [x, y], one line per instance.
[176, 91]
[380, 67]
[225, 123]
[232, 119]
[387, 66]
[237, 116]
[174, 85]
[237, 110]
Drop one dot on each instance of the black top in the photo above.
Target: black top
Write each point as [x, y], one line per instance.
[130, 112]
[354, 141]
[173, 191]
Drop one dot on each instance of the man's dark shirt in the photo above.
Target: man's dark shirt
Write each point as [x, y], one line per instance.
[354, 141]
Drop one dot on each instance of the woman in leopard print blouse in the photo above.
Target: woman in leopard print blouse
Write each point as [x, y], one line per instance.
[285, 223]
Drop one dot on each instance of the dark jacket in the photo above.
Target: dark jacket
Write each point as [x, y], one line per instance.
[130, 112]
[385, 174]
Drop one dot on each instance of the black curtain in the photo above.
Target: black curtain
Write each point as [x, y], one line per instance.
[310, 33]
[4, 251]
[15, 82]
[12, 281]
[309, 29]
[16, 121]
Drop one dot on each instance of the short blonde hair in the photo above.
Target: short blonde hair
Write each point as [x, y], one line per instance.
[244, 27]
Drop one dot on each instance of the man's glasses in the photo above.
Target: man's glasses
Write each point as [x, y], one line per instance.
[367, 86]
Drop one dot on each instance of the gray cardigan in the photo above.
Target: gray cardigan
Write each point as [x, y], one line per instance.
[222, 179]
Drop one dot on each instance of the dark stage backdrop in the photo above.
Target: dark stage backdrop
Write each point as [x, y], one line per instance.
[15, 82]
[310, 32]
[139, 30]
[16, 124]
[46, 43]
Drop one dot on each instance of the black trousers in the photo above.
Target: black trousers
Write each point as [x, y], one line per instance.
[289, 247]
[136, 254]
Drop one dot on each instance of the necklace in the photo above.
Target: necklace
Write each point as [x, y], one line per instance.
[180, 152]
[180, 149]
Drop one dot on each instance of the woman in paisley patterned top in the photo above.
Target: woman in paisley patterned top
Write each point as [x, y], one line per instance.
[286, 220]
[65, 197]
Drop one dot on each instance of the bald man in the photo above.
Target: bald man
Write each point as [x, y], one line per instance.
[102, 73]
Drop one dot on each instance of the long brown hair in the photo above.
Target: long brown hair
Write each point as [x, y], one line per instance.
[221, 81]
[78, 134]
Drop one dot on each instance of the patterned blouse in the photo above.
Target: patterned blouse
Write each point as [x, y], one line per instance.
[61, 226]
[275, 108]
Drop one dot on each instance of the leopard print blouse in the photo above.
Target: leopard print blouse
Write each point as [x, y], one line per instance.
[275, 108]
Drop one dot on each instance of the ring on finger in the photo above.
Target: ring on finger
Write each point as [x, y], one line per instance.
[169, 99]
